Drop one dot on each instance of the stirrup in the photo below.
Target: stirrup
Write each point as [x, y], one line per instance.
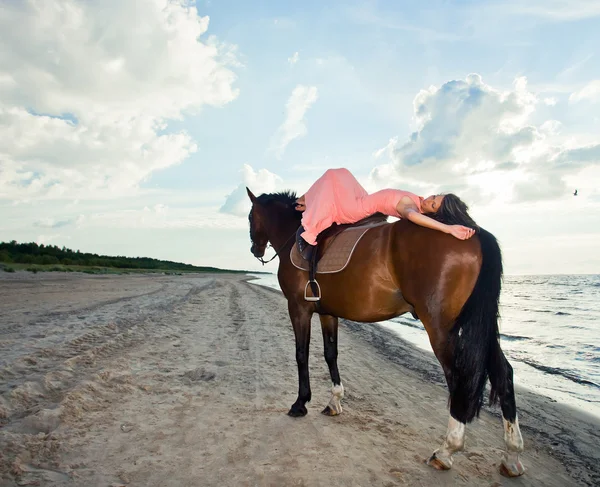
[312, 298]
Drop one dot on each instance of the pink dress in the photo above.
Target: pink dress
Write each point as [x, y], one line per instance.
[337, 197]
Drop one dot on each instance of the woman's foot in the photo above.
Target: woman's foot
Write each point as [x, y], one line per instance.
[304, 247]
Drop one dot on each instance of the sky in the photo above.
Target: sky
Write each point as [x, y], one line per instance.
[132, 127]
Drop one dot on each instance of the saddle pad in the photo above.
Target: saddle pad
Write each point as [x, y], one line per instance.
[337, 254]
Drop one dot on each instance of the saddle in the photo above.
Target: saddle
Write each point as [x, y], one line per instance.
[335, 246]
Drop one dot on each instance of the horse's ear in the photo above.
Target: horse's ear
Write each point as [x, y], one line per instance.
[251, 195]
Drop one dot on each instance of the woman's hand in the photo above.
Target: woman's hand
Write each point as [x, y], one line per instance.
[461, 232]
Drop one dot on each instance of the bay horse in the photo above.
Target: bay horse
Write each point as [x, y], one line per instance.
[452, 285]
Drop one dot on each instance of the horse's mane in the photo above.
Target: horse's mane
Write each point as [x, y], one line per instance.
[285, 199]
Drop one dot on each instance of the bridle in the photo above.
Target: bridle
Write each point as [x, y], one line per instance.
[263, 262]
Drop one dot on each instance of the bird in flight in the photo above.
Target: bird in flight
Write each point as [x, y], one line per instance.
[575, 193]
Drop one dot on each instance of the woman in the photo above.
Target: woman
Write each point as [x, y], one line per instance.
[337, 197]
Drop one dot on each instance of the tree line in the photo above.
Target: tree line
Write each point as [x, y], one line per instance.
[32, 253]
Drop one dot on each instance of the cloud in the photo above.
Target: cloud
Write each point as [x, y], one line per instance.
[52, 223]
[550, 101]
[555, 10]
[160, 217]
[366, 14]
[46, 239]
[259, 182]
[590, 92]
[294, 59]
[478, 141]
[574, 67]
[294, 126]
[85, 107]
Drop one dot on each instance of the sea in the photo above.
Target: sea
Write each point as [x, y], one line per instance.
[549, 331]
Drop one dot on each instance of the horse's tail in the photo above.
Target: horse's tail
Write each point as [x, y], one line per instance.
[474, 338]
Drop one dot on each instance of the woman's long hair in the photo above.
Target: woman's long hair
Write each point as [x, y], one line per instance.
[454, 211]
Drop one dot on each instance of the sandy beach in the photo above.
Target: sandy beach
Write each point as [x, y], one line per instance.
[151, 380]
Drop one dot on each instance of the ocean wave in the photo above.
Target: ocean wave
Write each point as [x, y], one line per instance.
[590, 353]
[552, 307]
[513, 338]
[562, 313]
[404, 321]
[567, 374]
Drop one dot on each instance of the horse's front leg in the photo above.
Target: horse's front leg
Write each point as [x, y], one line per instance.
[329, 326]
[301, 317]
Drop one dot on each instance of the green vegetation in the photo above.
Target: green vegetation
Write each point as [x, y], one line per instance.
[42, 258]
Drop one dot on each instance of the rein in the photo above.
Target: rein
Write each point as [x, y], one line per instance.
[263, 262]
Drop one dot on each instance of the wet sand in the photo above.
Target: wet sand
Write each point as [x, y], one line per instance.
[186, 380]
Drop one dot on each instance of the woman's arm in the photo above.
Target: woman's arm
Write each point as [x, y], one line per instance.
[459, 231]
[414, 216]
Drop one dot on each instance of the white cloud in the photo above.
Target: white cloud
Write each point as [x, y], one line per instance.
[259, 182]
[47, 239]
[556, 10]
[590, 92]
[294, 126]
[294, 59]
[550, 127]
[159, 217]
[53, 223]
[534, 11]
[574, 67]
[477, 141]
[366, 14]
[85, 107]
[550, 101]
[388, 149]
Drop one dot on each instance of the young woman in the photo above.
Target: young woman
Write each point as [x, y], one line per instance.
[337, 197]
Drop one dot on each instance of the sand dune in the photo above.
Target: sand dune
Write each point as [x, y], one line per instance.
[185, 381]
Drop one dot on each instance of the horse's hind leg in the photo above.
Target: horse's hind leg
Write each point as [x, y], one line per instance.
[454, 442]
[300, 317]
[329, 326]
[501, 379]
[441, 459]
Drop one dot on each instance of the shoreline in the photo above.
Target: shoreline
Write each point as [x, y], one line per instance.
[422, 345]
[164, 380]
[541, 419]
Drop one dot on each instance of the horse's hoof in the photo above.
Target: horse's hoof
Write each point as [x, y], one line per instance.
[512, 469]
[297, 411]
[439, 463]
[328, 411]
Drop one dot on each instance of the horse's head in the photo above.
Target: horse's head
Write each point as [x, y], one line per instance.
[258, 231]
[272, 216]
